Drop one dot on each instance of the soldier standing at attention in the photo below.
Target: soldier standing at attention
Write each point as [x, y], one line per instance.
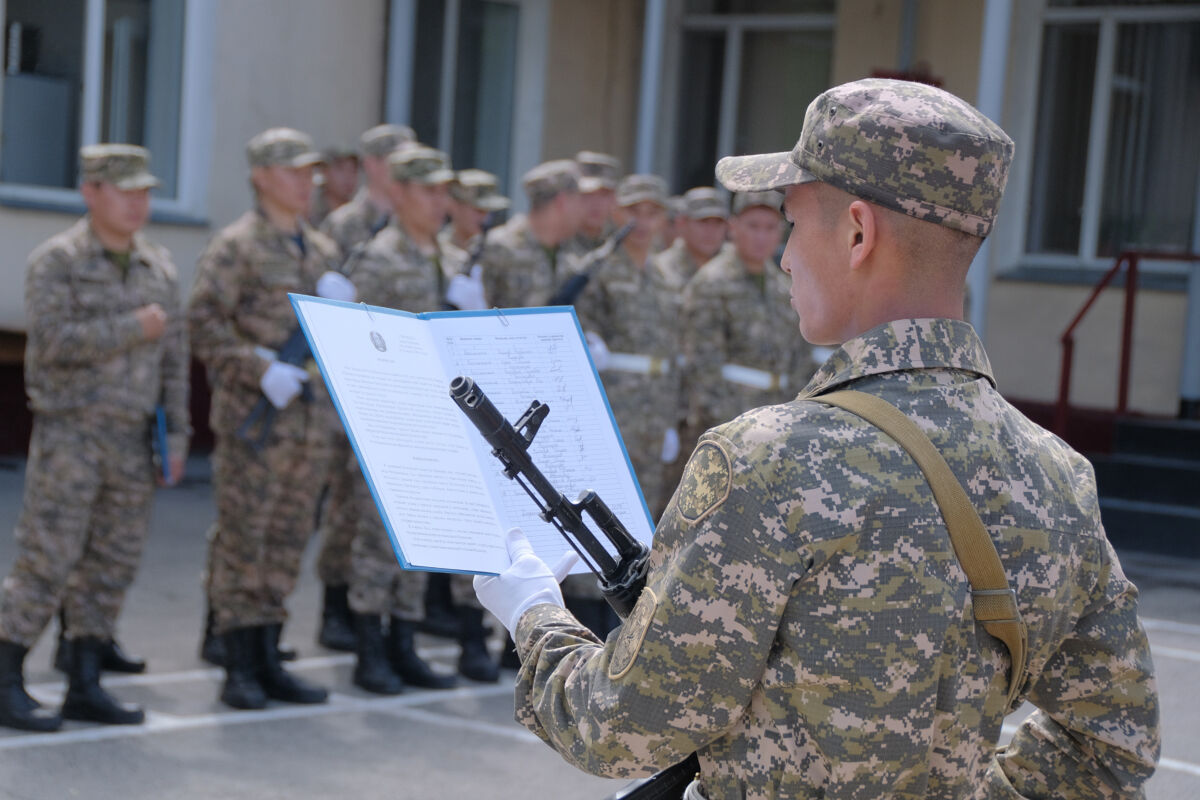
[739, 349]
[598, 176]
[107, 343]
[806, 626]
[524, 260]
[702, 224]
[350, 226]
[239, 314]
[473, 197]
[336, 181]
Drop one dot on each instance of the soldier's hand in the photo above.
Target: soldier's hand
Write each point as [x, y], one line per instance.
[336, 286]
[670, 446]
[175, 466]
[282, 383]
[465, 292]
[153, 320]
[598, 349]
[527, 582]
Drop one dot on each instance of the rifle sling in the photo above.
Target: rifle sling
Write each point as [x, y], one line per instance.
[994, 601]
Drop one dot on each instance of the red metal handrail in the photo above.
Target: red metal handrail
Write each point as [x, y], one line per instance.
[1130, 257]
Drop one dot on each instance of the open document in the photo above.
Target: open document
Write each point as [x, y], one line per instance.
[441, 493]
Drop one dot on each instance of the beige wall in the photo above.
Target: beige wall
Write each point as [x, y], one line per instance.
[593, 68]
[310, 64]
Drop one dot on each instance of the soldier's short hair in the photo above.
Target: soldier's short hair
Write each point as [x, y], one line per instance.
[548, 180]
[125, 166]
[906, 146]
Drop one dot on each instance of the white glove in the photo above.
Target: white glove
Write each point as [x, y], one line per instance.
[527, 582]
[282, 383]
[466, 291]
[598, 349]
[336, 286]
[670, 448]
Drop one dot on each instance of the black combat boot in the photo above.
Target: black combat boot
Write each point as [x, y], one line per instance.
[212, 648]
[240, 648]
[475, 662]
[86, 700]
[337, 620]
[112, 656]
[373, 671]
[17, 709]
[440, 617]
[278, 683]
[408, 665]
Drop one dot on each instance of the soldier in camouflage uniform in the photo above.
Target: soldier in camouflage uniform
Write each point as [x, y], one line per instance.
[107, 343]
[473, 198]
[265, 491]
[598, 176]
[524, 260]
[351, 226]
[740, 348]
[336, 181]
[703, 223]
[806, 627]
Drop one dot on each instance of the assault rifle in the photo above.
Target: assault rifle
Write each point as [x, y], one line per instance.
[572, 287]
[295, 351]
[621, 579]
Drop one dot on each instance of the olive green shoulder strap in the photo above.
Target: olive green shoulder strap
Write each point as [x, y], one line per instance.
[995, 603]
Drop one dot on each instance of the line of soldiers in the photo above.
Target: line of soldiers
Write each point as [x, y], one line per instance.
[691, 309]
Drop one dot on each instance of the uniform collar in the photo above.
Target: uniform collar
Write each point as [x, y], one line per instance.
[905, 344]
[96, 249]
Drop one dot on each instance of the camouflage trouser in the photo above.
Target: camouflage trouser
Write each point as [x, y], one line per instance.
[377, 584]
[266, 501]
[339, 519]
[89, 487]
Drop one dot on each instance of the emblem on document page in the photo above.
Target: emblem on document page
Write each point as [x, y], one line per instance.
[377, 340]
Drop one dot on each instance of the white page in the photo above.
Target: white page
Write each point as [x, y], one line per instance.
[409, 436]
[538, 354]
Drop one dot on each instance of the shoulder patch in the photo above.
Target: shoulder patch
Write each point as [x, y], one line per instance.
[706, 481]
[633, 631]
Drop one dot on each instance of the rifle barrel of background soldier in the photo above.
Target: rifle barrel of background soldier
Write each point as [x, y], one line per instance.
[572, 287]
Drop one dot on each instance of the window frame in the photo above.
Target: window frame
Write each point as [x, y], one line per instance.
[189, 205]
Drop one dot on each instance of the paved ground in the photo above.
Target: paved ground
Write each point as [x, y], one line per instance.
[461, 743]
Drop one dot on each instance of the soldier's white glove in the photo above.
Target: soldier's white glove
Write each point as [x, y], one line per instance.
[466, 291]
[598, 349]
[670, 447]
[527, 582]
[282, 383]
[336, 286]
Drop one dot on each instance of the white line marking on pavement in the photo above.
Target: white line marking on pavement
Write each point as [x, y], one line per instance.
[465, 723]
[1170, 625]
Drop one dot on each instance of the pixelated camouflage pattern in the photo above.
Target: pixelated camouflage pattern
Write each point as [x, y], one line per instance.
[339, 515]
[638, 188]
[85, 350]
[677, 261]
[635, 311]
[581, 243]
[423, 165]
[550, 178]
[733, 317]
[814, 634]
[479, 189]
[907, 146]
[125, 166]
[517, 270]
[703, 202]
[391, 271]
[266, 500]
[282, 147]
[597, 170]
[355, 223]
[743, 200]
[446, 241]
[381, 140]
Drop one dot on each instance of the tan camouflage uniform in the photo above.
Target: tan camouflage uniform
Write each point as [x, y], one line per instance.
[806, 627]
[265, 499]
[517, 270]
[354, 223]
[93, 383]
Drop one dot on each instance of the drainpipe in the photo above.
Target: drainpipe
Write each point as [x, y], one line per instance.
[648, 100]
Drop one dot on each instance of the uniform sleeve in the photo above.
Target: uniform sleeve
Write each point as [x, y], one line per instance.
[705, 351]
[215, 339]
[681, 669]
[591, 306]
[59, 337]
[176, 365]
[495, 268]
[1096, 731]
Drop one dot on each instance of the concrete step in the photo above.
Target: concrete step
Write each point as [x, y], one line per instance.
[1166, 438]
[1172, 530]
[1150, 479]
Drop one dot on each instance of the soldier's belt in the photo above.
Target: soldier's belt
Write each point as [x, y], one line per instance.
[638, 363]
[754, 378]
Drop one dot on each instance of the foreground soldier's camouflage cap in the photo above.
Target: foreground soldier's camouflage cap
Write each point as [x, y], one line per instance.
[125, 166]
[418, 164]
[703, 202]
[636, 188]
[545, 181]
[282, 147]
[597, 171]
[770, 198]
[907, 146]
[381, 140]
[477, 188]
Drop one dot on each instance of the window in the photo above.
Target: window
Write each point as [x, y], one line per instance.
[84, 71]
[1115, 165]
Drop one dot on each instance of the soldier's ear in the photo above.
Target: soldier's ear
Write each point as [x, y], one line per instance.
[861, 234]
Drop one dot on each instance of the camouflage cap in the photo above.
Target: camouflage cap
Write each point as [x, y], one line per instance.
[597, 171]
[381, 140]
[420, 165]
[476, 188]
[125, 166]
[636, 188]
[549, 179]
[907, 146]
[703, 202]
[282, 147]
[341, 150]
[770, 199]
